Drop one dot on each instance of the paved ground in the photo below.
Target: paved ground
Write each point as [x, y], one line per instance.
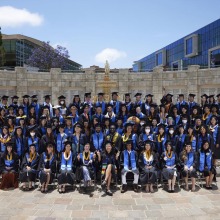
[203, 204]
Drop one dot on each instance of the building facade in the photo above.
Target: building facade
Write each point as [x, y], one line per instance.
[201, 47]
[18, 48]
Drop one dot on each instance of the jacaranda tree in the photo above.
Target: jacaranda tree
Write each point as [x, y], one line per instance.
[46, 57]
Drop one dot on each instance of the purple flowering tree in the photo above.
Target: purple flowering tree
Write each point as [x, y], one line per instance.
[46, 57]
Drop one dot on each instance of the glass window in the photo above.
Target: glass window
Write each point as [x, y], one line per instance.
[159, 58]
[189, 46]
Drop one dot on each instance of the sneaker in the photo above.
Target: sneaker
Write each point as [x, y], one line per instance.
[103, 185]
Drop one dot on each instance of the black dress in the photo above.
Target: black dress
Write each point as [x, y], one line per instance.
[66, 175]
[47, 163]
[29, 175]
[148, 175]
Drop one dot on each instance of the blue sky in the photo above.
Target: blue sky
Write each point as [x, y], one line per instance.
[120, 30]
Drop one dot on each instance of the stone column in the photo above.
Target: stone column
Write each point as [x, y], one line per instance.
[22, 82]
[123, 82]
[56, 85]
[157, 83]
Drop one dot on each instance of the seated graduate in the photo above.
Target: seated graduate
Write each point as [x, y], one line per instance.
[148, 163]
[129, 163]
[108, 162]
[86, 161]
[66, 175]
[47, 167]
[188, 163]
[205, 163]
[9, 167]
[29, 167]
[169, 161]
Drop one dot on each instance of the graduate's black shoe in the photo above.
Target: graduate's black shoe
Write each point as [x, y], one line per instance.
[172, 191]
[103, 185]
[169, 190]
[135, 187]
[123, 188]
[109, 192]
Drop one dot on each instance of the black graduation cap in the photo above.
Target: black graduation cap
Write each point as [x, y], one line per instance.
[21, 107]
[98, 125]
[204, 95]
[62, 126]
[14, 97]
[85, 105]
[198, 117]
[191, 126]
[73, 105]
[192, 95]
[170, 126]
[45, 107]
[11, 117]
[32, 145]
[180, 126]
[106, 119]
[153, 105]
[149, 95]
[47, 96]
[196, 107]
[87, 94]
[174, 107]
[148, 142]
[214, 116]
[5, 97]
[100, 94]
[218, 95]
[188, 143]
[67, 143]
[169, 116]
[119, 118]
[61, 97]
[161, 126]
[184, 106]
[127, 94]
[11, 107]
[32, 128]
[109, 105]
[138, 94]
[17, 127]
[207, 105]
[78, 124]
[42, 117]
[76, 95]
[114, 93]
[108, 142]
[184, 116]
[34, 96]
[129, 123]
[168, 142]
[123, 104]
[10, 143]
[25, 96]
[129, 141]
[211, 96]
[168, 94]
[148, 124]
[49, 125]
[181, 95]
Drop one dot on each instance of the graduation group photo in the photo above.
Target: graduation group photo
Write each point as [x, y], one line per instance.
[134, 144]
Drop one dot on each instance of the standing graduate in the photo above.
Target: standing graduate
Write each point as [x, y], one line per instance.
[101, 103]
[4, 138]
[29, 168]
[115, 103]
[97, 139]
[66, 175]
[9, 167]
[60, 140]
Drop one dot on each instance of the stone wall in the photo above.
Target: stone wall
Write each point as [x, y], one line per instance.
[194, 80]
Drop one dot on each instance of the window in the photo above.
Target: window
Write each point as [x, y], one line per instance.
[214, 57]
[191, 46]
[159, 58]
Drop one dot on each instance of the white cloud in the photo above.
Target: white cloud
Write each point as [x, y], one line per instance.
[14, 17]
[109, 54]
